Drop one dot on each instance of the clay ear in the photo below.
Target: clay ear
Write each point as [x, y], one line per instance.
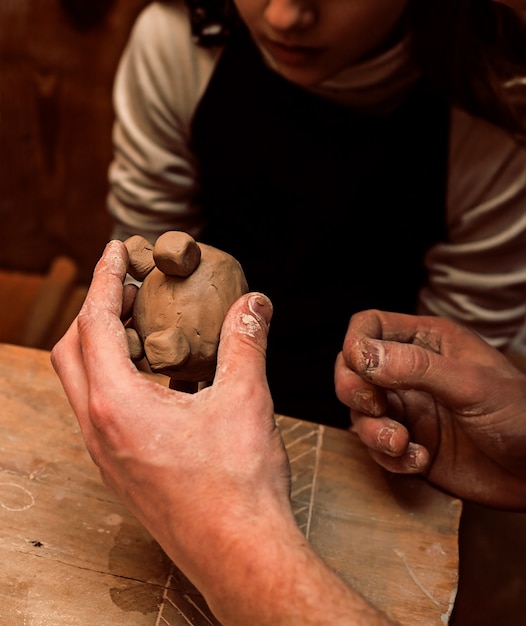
[176, 253]
[166, 349]
[140, 254]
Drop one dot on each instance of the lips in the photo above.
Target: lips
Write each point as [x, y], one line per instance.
[292, 55]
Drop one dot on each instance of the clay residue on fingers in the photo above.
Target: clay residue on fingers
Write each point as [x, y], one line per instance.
[259, 318]
[250, 324]
[113, 258]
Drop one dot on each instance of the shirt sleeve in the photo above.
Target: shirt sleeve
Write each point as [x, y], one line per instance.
[478, 276]
[159, 81]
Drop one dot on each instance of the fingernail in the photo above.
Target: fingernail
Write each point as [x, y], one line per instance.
[414, 456]
[385, 438]
[371, 355]
[112, 244]
[112, 250]
[261, 306]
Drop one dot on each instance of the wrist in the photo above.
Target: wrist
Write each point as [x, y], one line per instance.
[260, 569]
[240, 540]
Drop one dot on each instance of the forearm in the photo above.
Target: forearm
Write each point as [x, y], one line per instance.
[265, 573]
[287, 583]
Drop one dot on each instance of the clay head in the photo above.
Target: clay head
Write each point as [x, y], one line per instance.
[180, 306]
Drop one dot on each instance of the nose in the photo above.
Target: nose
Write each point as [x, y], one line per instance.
[290, 14]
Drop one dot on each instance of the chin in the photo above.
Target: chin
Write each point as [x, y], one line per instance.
[306, 78]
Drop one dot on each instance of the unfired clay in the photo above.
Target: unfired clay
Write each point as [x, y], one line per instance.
[179, 309]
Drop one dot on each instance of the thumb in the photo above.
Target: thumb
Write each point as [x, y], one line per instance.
[243, 344]
[394, 365]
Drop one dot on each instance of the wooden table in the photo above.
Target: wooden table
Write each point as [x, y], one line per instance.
[71, 554]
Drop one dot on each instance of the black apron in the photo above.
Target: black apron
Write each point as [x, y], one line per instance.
[330, 211]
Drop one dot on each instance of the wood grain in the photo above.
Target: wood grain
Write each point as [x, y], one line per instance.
[56, 120]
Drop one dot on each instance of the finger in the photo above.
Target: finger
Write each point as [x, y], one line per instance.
[404, 366]
[68, 355]
[241, 359]
[128, 300]
[415, 460]
[356, 392]
[400, 327]
[435, 334]
[66, 358]
[433, 354]
[381, 434]
[102, 335]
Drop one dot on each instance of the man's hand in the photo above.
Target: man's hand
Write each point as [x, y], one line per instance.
[155, 446]
[206, 473]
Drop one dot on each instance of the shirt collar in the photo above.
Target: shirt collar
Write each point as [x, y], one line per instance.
[375, 86]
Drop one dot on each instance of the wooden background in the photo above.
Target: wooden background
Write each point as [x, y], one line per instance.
[57, 62]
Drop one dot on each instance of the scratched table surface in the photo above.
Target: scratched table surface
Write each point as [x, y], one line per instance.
[71, 554]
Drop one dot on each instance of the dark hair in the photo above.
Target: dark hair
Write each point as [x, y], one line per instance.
[472, 51]
[212, 21]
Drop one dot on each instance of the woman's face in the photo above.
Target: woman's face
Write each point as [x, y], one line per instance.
[309, 41]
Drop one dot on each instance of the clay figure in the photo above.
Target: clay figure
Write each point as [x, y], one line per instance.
[187, 288]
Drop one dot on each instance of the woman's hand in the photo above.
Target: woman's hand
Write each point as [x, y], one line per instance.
[429, 396]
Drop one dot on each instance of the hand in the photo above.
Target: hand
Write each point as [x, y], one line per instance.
[206, 473]
[176, 460]
[429, 396]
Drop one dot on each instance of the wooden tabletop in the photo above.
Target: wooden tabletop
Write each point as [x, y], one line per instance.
[70, 554]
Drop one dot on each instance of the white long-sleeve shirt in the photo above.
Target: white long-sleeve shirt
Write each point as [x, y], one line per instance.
[477, 277]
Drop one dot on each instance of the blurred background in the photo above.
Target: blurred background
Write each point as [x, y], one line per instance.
[57, 62]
